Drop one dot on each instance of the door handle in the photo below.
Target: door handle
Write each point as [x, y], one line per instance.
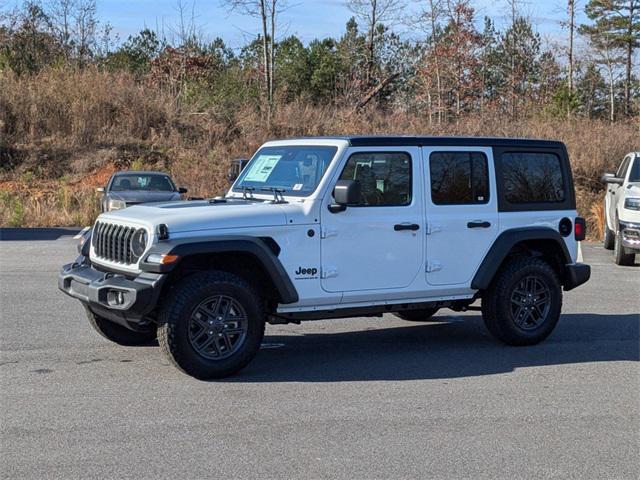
[478, 224]
[406, 226]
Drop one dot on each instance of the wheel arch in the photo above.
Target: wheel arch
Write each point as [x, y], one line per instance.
[254, 259]
[532, 241]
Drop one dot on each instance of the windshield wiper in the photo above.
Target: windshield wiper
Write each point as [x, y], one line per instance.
[246, 190]
[277, 194]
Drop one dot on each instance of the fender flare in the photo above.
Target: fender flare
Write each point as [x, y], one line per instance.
[503, 245]
[226, 244]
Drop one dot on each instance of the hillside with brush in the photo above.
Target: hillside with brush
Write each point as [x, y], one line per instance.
[72, 112]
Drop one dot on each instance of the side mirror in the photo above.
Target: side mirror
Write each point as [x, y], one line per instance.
[608, 177]
[182, 190]
[100, 189]
[346, 192]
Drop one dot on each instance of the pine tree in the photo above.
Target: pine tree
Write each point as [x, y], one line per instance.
[616, 22]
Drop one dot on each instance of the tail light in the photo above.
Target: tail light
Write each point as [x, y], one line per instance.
[580, 229]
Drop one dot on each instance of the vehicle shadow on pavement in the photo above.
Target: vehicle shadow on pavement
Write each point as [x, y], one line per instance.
[34, 234]
[438, 350]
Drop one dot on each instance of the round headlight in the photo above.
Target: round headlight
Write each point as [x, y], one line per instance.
[139, 242]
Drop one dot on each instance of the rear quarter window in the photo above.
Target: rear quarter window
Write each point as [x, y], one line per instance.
[532, 177]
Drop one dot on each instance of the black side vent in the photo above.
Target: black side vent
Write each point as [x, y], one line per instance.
[272, 244]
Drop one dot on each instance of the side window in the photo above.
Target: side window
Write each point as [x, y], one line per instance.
[385, 178]
[532, 177]
[459, 178]
[622, 171]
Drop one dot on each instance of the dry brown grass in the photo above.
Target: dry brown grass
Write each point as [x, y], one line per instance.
[62, 133]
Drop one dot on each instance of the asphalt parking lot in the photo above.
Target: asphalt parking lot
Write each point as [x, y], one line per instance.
[355, 398]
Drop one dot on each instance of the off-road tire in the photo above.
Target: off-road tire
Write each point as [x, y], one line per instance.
[497, 306]
[620, 257]
[609, 239]
[176, 312]
[421, 315]
[119, 334]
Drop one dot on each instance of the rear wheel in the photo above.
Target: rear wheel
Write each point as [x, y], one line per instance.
[421, 315]
[211, 325]
[522, 305]
[119, 334]
[620, 256]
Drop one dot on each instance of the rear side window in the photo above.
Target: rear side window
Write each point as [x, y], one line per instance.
[532, 177]
[459, 178]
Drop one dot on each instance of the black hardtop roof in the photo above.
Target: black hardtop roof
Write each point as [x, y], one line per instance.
[420, 141]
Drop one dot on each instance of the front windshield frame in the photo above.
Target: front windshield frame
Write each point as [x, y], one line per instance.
[165, 177]
[327, 153]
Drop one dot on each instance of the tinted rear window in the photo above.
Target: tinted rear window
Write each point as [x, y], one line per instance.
[459, 178]
[532, 177]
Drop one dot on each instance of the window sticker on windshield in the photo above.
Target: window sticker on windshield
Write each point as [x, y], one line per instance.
[262, 167]
[298, 186]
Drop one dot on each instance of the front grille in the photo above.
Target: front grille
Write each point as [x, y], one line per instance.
[113, 242]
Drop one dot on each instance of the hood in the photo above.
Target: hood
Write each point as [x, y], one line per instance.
[633, 190]
[201, 215]
[131, 196]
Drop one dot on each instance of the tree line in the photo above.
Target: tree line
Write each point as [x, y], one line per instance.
[454, 64]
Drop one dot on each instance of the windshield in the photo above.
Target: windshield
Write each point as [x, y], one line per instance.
[142, 182]
[634, 174]
[295, 170]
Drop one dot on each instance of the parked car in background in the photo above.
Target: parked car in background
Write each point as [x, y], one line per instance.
[132, 188]
[622, 210]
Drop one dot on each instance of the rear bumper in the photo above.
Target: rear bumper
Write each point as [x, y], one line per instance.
[575, 275]
[630, 236]
[113, 296]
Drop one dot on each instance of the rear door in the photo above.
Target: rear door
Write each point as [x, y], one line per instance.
[461, 211]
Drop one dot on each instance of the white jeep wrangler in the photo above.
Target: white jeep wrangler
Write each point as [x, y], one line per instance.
[339, 227]
[622, 210]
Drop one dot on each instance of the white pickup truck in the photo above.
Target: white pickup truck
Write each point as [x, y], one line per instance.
[622, 210]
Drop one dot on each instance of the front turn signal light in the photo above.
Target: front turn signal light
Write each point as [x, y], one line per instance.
[159, 259]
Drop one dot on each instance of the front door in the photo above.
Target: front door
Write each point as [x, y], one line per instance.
[461, 212]
[614, 191]
[377, 244]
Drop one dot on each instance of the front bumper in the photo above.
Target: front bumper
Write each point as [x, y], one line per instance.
[630, 236]
[113, 296]
[575, 275]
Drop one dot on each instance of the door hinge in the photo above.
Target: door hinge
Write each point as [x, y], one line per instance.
[329, 272]
[327, 232]
[433, 266]
[433, 228]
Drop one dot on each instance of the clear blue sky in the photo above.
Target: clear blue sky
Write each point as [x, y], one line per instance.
[308, 19]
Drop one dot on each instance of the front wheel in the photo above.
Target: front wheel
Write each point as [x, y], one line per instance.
[211, 325]
[522, 305]
[621, 257]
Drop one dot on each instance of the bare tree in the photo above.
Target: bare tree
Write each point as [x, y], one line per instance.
[267, 12]
[75, 24]
[571, 10]
[374, 13]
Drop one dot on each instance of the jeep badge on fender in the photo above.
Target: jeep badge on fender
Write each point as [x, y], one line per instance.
[306, 272]
[407, 225]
